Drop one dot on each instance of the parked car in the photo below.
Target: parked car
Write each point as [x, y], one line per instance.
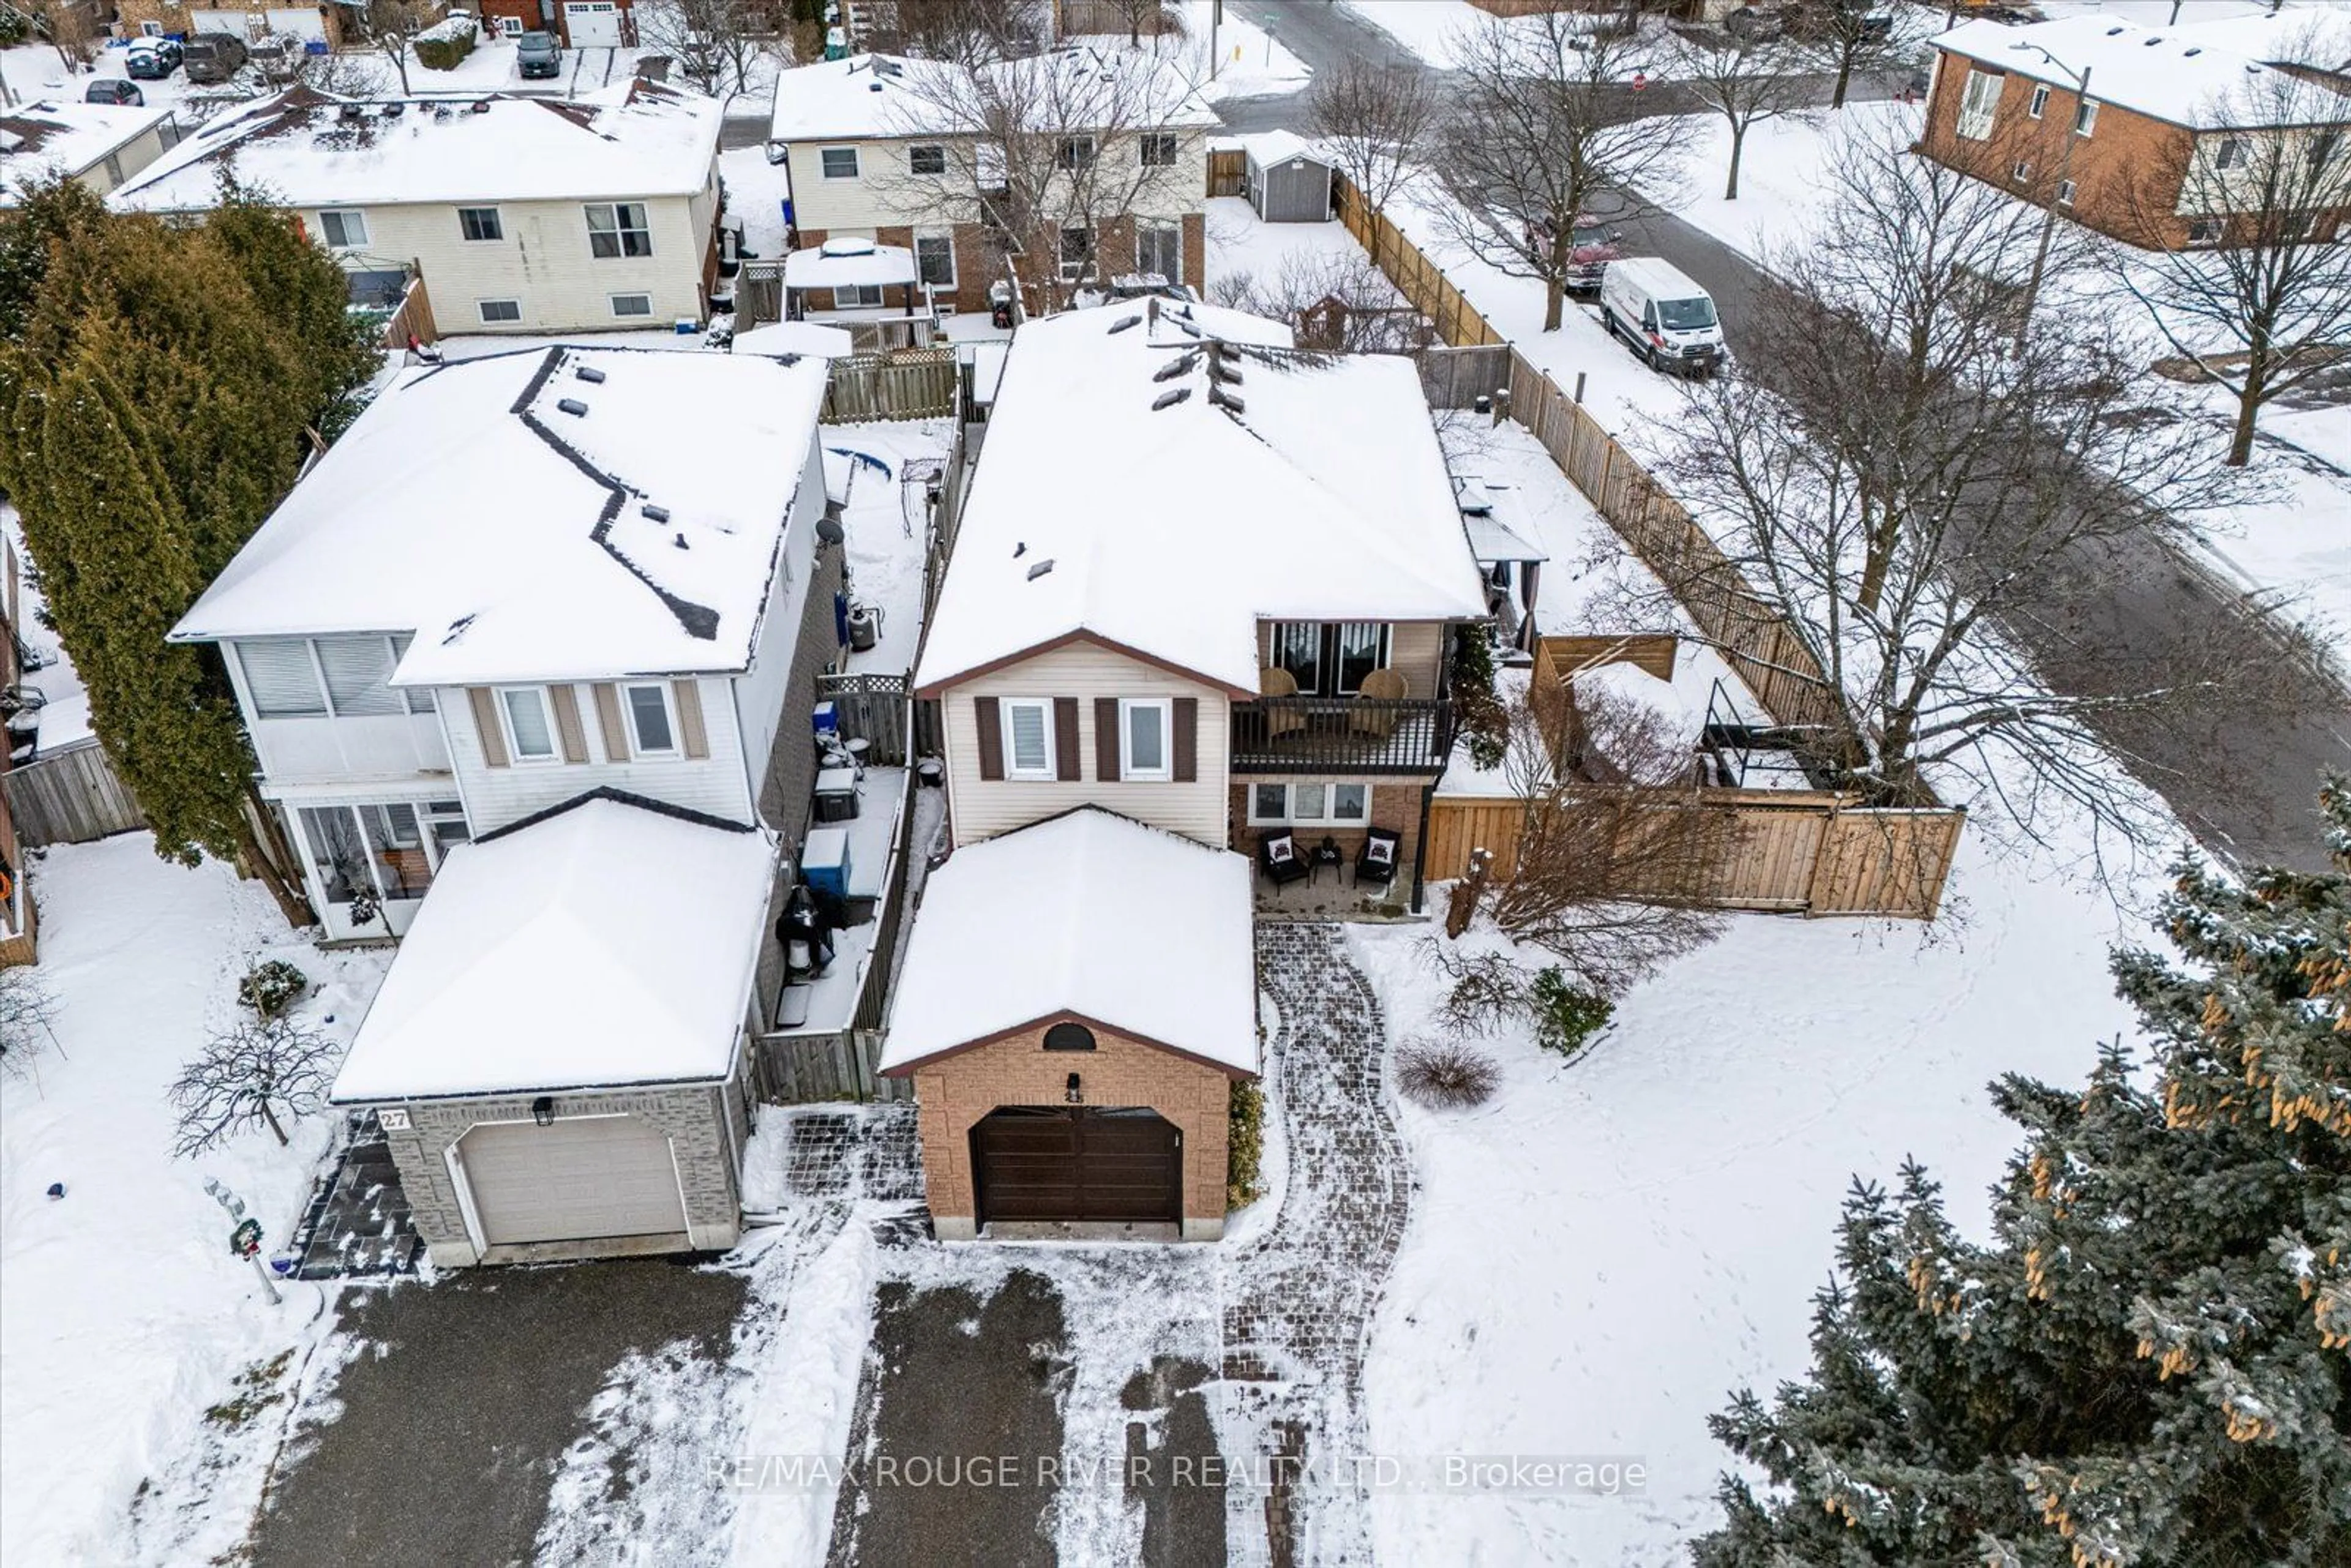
[1754, 24]
[538, 55]
[1822, 19]
[1594, 245]
[215, 56]
[151, 59]
[278, 57]
[113, 89]
[1666, 318]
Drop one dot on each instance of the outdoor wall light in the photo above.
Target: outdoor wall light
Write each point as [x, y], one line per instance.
[1076, 1095]
[542, 1110]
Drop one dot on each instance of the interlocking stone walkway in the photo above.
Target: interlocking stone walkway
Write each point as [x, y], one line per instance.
[1300, 1299]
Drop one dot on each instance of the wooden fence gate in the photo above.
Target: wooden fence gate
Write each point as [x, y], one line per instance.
[70, 796]
[871, 708]
[907, 383]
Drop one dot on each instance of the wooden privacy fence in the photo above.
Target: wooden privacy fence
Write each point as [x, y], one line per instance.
[1228, 173]
[871, 708]
[1789, 851]
[70, 796]
[910, 383]
[413, 322]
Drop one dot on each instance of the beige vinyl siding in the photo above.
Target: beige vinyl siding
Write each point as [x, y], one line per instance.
[885, 195]
[982, 809]
[541, 260]
[1416, 649]
[494, 796]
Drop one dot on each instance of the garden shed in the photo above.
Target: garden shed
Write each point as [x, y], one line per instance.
[1290, 182]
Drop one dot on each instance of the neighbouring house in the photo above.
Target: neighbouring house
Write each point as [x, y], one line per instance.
[576, 24]
[522, 214]
[98, 144]
[2006, 105]
[527, 673]
[329, 26]
[1199, 611]
[902, 152]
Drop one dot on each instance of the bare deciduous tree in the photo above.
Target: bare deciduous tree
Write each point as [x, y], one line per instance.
[717, 44]
[965, 32]
[1372, 120]
[1909, 482]
[1045, 151]
[1536, 127]
[391, 26]
[2265, 304]
[29, 1016]
[1746, 83]
[1852, 37]
[249, 1075]
[1334, 300]
[1616, 845]
[1135, 17]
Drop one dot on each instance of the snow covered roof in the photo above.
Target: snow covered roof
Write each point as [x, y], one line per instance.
[867, 96]
[1120, 498]
[854, 264]
[1489, 513]
[518, 540]
[1089, 913]
[308, 149]
[527, 971]
[2167, 73]
[2311, 34]
[1272, 147]
[59, 136]
[797, 338]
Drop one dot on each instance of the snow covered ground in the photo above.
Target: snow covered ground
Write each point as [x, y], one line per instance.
[1781, 190]
[1605, 1250]
[884, 517]
[1429, 28]
[1239, 62]
[122, 1316]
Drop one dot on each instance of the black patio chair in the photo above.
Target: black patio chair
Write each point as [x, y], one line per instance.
[1376, 861]
[1278, 859]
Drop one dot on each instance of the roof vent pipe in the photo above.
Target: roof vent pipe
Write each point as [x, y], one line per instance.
[1040, 569]
[574, 407]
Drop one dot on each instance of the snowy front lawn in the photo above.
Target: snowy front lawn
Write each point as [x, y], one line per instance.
[1602, 1253]
[123, 1319]
[1238, 61]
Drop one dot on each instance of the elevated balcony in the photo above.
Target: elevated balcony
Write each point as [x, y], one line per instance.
[1342, 734]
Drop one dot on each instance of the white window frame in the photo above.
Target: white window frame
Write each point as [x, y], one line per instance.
[824, 156]
[1161, 227]
[1074, 153]
[498, 226]
[514, 753]
[637, 746]
[618, 211]
[150, 29]
[858, 296]
[1290, 819]
[1079, 270]
[2039, 101]
[946, 236]
[643, 315]
[1152, 141]
[2207, 231]
[482, 309]
[1013, 772]
[1127, 771]
[511, 26]
[2024, 170]
[1980, 104]
[343, 218]
[2085, 117]
[2065, 189]
[922, 147]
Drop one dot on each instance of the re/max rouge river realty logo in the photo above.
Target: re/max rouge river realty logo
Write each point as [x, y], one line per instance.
[1566, 1475]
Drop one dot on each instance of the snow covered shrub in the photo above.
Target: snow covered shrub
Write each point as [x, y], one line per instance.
[271, 989]
[1244, 1144]
[441, 47]
[1445, 1074]
[1566, 1015]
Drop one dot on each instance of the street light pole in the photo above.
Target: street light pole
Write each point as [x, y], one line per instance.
[2048, 206]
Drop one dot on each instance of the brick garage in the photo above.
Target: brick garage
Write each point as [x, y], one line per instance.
[1085, 947]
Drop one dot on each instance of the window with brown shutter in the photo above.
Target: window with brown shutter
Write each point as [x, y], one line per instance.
[1065, 738]
[1185, 746]
[1106, 738]
[608, 719]
[991, 738]
[689, 718]
[486, 725]
[568, 728]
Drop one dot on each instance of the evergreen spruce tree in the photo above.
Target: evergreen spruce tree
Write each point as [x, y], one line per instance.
[2150, 1363]
[159, 387]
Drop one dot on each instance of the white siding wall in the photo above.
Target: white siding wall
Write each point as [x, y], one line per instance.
[497, 796]
[759, 696]
[982, 809]
[543, 261]
[883, 195]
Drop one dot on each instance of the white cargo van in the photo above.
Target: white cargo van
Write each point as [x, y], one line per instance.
[1669, 321]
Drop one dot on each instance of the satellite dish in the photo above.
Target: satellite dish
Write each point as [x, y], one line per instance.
[829, 530]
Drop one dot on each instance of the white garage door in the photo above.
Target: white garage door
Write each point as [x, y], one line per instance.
[235, 24]
[593, 24]
[307, 22]
[576, 1180]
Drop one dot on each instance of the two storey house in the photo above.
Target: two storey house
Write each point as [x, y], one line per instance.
[528, 677]
[1204, 591]
[522, 214]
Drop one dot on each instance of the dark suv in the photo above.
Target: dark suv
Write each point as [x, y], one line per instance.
[215, 56]
[538, 55]
[150, 59]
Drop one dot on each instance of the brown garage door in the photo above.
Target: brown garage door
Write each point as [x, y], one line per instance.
[1077, 1162]
[576, 1180]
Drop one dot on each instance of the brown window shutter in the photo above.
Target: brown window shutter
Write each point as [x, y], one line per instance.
[608, 719]
[568, 730]
[486, 725]
[1185, 745]
[991, 737]
[1065, 739]
[696, 739]
[1106, 738]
